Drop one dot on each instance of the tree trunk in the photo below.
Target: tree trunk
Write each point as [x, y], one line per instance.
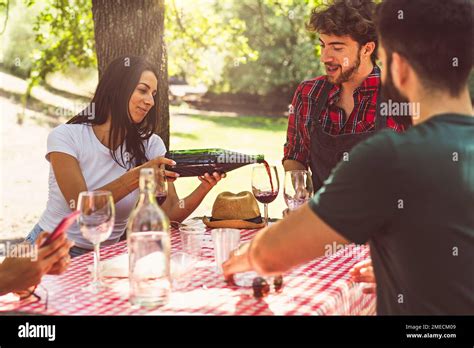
[134, 27]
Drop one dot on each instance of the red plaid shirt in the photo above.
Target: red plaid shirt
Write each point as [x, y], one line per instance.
[362, 118]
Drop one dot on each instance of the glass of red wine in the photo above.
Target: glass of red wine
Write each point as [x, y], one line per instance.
[265, 185]
[161, 187]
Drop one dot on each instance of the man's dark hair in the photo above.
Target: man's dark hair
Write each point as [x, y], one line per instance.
[353, 18]
[435, 36]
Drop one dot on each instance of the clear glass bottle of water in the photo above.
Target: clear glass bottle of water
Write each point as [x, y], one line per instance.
[149, 247]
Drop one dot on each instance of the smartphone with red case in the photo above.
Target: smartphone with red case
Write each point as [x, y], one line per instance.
[61, 228]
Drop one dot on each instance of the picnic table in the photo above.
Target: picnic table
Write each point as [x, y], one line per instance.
[319, 287]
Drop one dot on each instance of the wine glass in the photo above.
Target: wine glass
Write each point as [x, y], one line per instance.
[161, 186]
[265, 185]
[297, 189]
[96, 222]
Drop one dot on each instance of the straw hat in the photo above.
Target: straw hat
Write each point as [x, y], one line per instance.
[232, 210]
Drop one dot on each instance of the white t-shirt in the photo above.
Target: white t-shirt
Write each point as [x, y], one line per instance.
[98, 168]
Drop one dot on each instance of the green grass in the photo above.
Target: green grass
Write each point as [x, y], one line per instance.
[184, 135]
[274, 124]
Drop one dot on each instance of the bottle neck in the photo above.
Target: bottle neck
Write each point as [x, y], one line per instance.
[147, 197]
[147, 187]
[260, 158]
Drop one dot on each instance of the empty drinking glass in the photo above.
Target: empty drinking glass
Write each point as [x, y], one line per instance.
[182, 266]
[225, 240]
[96, 222]
[298, 188]
[192, 239]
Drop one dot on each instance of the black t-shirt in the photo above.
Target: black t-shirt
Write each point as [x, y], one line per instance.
[411, 196]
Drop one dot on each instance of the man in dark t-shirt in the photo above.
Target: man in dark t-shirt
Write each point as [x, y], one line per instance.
[409, 195]
[421, 226]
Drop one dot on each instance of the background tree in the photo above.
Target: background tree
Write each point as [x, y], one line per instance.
[64, 32]
[202, 36]
[287, 52]
[258, 49]
[134, 28]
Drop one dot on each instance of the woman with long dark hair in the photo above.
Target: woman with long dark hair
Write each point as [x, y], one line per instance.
[105, 146]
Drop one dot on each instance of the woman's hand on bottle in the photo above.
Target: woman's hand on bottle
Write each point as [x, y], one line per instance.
[209, 181]
[158, 164]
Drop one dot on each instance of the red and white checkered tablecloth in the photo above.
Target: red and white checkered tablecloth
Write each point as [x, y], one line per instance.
[320, 287]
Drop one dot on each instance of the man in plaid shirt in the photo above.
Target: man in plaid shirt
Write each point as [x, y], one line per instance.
[409, 195]
[344, 102]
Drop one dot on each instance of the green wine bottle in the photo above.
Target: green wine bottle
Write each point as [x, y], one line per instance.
[197, 162]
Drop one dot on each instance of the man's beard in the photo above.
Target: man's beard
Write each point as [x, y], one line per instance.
[390, 92]
[347, 74]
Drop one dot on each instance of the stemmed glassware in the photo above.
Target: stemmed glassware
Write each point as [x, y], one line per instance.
[265, 185]
[96, 222]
